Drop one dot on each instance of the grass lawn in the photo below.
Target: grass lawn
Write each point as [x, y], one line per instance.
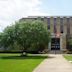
[17, 63]
[68, 57]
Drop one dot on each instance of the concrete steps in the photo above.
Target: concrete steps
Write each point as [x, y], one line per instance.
[55, 52]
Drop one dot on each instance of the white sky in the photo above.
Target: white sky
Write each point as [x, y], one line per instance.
[12, 10]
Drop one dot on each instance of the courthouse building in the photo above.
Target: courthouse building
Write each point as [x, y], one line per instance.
[59, 26]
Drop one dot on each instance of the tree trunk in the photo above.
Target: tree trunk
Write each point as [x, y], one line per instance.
[24, 53]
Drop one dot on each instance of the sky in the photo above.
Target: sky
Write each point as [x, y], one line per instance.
[13, 10]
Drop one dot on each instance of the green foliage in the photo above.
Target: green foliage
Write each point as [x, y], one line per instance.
[6, 39]
[25, 34]
[69, 45]
[70, 41]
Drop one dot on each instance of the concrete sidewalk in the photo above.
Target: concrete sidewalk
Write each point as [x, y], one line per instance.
[56, 63]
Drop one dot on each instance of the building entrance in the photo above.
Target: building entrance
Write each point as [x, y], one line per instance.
[55, 44]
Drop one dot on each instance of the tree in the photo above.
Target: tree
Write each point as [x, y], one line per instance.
[33, 34]
[26, 35]
[6, 38]
[69, 44]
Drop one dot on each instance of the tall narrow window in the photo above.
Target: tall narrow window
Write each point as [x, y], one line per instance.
[61, 25]
[68, 25]
[55, 29]
[48, 23]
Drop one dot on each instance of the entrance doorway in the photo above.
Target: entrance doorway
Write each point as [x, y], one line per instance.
[55, 44]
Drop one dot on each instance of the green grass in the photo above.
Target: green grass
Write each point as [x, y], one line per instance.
[68, 57]
[17, 63]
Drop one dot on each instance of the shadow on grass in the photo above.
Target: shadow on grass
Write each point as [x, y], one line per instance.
[24, 57]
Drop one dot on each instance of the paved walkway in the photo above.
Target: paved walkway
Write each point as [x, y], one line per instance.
[56, 63]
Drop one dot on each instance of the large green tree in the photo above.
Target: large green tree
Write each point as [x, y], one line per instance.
[26, 34]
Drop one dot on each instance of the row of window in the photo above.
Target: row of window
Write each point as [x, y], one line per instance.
[61, 25]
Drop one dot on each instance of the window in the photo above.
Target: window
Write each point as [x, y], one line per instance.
[61, 25]
[68, 25]
[55, 30]
[48, 23]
